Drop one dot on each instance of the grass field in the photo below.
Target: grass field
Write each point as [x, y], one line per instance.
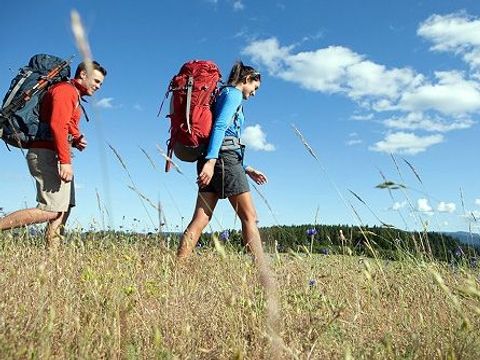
[109, 298]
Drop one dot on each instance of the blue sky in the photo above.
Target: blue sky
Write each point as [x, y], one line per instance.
[361, 80]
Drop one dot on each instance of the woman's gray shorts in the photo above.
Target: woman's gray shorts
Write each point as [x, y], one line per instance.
[229, 176]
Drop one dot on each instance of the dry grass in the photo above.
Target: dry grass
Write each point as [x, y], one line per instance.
[105, 300]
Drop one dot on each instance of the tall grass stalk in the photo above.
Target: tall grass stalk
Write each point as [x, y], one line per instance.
[133, 185]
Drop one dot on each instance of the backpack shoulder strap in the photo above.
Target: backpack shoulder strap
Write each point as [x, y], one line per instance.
[237, 113]
[78, 93]
[79, 102]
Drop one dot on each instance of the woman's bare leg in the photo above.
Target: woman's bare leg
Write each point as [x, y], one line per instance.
[206, 203]
[243, 205]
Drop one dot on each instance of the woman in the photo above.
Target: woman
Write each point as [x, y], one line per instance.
[222, 174]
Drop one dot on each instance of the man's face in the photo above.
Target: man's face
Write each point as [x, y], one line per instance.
[91, 83]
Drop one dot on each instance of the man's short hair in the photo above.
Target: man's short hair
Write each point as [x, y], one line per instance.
[83, 66]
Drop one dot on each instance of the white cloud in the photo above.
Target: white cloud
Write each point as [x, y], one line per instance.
[255, 138]
[477, 202]
[353, 139]
[458, 33]
[104, 103]
[441, 104]
[238, 5]
[399, 205]
[337, 69]
[421, 121]
[269, 53]
[446, 207]
[424, 207]
[353, 142]
[362, 117]
[331, 69]
[315, 36]
[406, 143]
[451, 95]
[138, 107]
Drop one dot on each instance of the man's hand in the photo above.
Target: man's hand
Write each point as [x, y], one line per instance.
[256, 176]
[66, 172]
[206, 174]
[80, 143]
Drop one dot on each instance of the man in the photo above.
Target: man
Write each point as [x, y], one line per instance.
[49, 161]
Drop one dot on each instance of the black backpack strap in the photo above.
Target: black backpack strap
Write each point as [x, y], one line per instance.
[169, 89]
[84, 111]
[79, 103]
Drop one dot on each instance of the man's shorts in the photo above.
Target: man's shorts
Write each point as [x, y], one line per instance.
[229, 176]
[53, 194]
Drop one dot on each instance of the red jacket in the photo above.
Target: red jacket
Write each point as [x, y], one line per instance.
[60, 108]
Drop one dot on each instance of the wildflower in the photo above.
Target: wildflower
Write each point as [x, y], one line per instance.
[311, 232]
[225, 235]
[324, 251]
[312, 282]
[458, 252]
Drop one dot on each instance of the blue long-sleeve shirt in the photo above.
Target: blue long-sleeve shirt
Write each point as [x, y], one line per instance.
[228, 119]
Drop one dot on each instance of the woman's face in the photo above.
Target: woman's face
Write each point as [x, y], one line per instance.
[249, 87]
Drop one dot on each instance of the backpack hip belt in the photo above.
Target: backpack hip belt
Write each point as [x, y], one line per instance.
[231, 143]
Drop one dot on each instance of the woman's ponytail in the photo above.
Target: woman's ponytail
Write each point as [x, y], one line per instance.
[240, 72]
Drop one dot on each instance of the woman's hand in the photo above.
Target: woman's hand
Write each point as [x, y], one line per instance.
[206, 174]
[256, 176]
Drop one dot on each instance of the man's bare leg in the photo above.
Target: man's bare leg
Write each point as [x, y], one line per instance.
[26, 217]
[64, 221]
[54, 232]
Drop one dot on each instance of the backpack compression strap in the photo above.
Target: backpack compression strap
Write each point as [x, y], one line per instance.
[16, 88]
[189, 102]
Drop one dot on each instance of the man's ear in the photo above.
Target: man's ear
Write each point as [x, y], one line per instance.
[83, 74]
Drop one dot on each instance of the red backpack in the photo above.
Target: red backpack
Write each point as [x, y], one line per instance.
[193, 92]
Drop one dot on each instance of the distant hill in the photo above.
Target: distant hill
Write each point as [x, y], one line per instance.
[466, 237]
